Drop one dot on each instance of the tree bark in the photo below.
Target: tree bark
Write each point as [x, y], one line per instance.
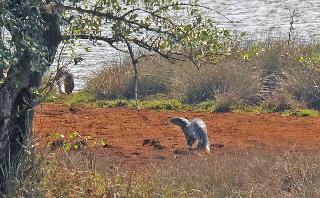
[17, 104]
[15, 107]
[136, 74]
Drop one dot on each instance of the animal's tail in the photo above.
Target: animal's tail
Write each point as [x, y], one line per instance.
[207, 149]
[204, 141]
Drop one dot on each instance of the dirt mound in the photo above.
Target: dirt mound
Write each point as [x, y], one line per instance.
[143, 136]
[154, 143]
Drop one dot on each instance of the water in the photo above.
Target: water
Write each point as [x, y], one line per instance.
[263, 17]
[259, 18]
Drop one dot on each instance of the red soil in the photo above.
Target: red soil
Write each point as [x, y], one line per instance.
[126, 130]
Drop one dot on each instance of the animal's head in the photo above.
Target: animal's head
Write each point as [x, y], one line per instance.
[182, 122]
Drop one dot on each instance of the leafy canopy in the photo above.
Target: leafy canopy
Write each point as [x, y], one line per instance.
[21, 30]
[171, 28]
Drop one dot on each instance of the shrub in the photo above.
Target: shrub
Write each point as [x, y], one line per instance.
[197, 85]
[111, 82]
[224, 103]
[269, 72]
[292, 70]
[155, 76]
[302, 85]
[179, 80]
[279, 102]
[116, 81]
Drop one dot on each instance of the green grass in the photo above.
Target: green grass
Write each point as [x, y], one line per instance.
[85, 98]
[77, 98]
[208, 105]
[113, 103]
[307, 112]
[171, 104]
[153, 104]
[301, 112]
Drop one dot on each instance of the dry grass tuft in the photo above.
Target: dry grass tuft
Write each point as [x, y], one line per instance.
[251, 172]
[116, 81]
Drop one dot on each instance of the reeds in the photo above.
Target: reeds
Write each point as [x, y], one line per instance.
[254, 74]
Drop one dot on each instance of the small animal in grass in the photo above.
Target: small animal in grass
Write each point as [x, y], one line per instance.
[193, 131]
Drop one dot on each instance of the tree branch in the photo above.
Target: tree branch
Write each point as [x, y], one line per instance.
[115, 18]
[109, 40]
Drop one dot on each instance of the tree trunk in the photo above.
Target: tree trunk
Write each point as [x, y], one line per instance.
[136, 74]
[17, 105]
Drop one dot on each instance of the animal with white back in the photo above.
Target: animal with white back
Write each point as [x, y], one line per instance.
[196, 130]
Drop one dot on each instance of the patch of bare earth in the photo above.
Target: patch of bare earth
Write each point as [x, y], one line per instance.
[140, 137]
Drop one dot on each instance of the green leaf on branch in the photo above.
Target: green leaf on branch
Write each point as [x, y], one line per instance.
[67, 147]
[74, 135]
[57, 135]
